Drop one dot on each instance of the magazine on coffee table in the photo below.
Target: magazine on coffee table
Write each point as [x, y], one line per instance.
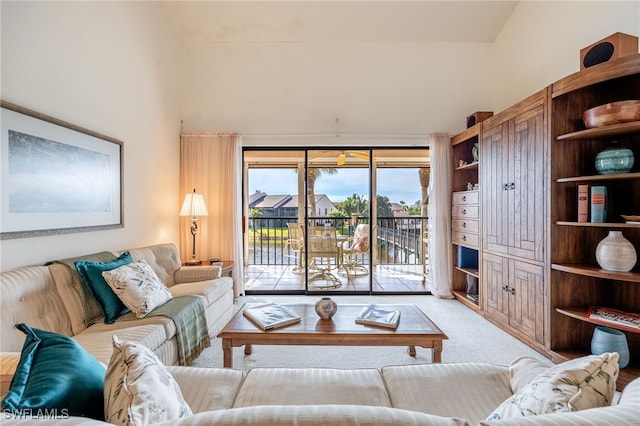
[270, 315]
[614, 317]
[374, 315]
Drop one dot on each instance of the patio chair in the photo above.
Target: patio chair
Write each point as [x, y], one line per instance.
[296, 245]
[323, 253]
[352, 265]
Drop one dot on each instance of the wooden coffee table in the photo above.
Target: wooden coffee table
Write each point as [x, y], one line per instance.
[414, 329]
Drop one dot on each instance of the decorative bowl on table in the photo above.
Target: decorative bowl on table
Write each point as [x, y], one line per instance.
[612, 113]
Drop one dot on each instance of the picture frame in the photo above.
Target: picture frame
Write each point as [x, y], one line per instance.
[56, 177]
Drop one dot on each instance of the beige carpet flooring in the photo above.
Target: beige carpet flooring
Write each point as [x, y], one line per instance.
[471, 339]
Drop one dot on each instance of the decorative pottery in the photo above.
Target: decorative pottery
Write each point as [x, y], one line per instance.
[614, 160]
[607, 339]
[616, 253]
[612, 113]
[475, 152]
[326, 308]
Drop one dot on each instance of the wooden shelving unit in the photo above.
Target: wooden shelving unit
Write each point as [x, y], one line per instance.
[576, 281]
[465, 210]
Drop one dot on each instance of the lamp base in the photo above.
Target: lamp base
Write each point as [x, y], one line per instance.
[193, 262]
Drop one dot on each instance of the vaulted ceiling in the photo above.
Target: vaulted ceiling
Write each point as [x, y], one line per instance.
[339, 21]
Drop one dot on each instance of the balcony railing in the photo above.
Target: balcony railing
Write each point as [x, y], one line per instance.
[398, 241]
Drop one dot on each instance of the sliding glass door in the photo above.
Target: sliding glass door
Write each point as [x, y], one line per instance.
[334, 220]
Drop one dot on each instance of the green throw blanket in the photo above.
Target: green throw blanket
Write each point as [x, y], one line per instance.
[92, 312]
[187, 312]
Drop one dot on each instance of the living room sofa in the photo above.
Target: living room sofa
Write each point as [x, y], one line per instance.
[49, 297]
[428, 394]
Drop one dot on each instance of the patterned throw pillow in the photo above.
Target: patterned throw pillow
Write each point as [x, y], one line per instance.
[138, 389]
[574, 385]
[138, 287]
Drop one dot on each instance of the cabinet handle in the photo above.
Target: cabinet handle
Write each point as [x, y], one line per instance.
[464, 211]
[505, 287]
[512, 290]
[505, 187]
[464, 198]
[464, 238]
[464, 224]
[512, 186]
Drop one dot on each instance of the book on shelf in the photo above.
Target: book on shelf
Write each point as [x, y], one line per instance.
[375, 315]
[598, 204]
[583, 203]
[614, 317]
[270, 315]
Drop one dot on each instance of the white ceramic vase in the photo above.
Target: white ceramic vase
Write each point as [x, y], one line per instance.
[616, 253]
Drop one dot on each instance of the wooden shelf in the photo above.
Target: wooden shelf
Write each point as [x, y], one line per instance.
[627, 65]
[465, 135]
[597, 272]
[461, 296]
[602, 132]
[469, 271]
[600, 178]
[598, 224]
[473, 165]
[581, 314]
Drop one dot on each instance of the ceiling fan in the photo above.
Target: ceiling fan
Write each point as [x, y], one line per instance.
[343, 154]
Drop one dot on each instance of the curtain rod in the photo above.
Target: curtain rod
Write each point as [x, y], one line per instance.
[337, 135]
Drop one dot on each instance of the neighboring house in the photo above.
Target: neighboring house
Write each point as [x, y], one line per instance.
[279, 206]
[400, 213]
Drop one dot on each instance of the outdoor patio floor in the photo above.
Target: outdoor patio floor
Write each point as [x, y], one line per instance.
[386, 278]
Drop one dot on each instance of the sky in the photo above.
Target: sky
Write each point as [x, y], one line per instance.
[397, 184]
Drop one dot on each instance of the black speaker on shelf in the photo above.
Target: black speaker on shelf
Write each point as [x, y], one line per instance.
[613, 47]
[477, 117]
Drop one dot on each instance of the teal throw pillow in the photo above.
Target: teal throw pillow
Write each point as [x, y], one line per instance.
[56, 376]
[91, 273]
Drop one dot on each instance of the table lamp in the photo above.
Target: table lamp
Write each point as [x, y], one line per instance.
[194, 206]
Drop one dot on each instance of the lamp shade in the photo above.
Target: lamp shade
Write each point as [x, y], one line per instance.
[193, 205]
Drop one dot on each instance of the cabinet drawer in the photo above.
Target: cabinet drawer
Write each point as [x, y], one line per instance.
[464, 238]
[465, 197]
[464, 211]
[465, 225]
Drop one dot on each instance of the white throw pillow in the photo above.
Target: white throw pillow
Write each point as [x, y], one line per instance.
[138, 287]
[138, 389]
[578, 384]
[523, 369]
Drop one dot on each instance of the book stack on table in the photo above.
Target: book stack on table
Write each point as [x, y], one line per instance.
[375, 315]
[270, 315]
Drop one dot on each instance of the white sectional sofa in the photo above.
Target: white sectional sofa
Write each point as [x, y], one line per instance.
[46, 297]
[432, 394]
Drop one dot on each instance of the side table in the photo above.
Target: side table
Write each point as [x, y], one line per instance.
[227, 267]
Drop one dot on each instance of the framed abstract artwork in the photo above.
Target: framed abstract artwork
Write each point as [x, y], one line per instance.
[56, 177]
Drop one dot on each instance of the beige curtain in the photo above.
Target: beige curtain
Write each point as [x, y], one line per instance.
[439, 225]
[212, 164]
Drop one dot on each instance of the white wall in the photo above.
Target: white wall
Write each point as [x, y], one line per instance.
[301, 88]
[113, 68]
[541, 42]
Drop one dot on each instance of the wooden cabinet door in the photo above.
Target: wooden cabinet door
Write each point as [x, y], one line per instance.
[495, 159]
[513, 184]
[526, 299]
[495, 275]
[525, 192]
